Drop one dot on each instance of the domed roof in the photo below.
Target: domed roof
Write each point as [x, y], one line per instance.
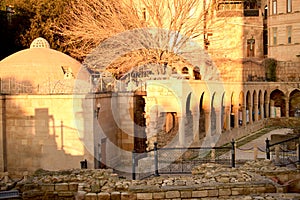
[40, 43]
[38, 65]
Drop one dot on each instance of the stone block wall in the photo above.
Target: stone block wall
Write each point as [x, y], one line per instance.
[41, 131]
[288, 71]
[50, 191]
[208, 181]
[209, 191]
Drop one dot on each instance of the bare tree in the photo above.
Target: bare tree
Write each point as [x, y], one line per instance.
[157, 31]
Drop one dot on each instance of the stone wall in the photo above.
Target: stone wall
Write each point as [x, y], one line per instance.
[52, 131]
[207, 181]
[41, 132]
[288, 71]
[283, 50]
[55, 132]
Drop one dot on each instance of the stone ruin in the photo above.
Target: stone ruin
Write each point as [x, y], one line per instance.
[252, 180]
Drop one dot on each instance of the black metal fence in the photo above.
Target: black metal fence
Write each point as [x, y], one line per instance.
[179, 160]
[284, 153]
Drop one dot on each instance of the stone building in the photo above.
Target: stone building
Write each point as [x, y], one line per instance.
[55, 113]
[38, 129]
[284, 30]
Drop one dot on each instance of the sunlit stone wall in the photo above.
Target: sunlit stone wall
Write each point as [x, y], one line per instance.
[42, 132]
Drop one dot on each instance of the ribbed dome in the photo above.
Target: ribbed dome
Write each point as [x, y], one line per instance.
[38, 66]
[40, 43]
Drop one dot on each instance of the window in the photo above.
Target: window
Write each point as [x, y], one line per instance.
[274, 35]
[250, 47]
[185, 70]
[289, 34]
[144, 14]
[288, 6]
[266, 12]
[274, 7]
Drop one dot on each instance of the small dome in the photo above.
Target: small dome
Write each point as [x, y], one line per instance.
[39, 67]
[40, 43]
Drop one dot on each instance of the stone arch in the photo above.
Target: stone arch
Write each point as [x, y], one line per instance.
[174, 70]
[213, 112]
[185, 72]
[294, 103]
[260, 106]
[188, 115]
[202, 119]
[188, 104]
[266, 103]
[241, 110]
[254, 104]
[223, 111]
[277, 103]
[231, 112]
[196, 73]
[248, 107]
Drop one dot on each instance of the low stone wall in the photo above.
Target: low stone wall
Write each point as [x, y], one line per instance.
[208, 181]
[202, 191]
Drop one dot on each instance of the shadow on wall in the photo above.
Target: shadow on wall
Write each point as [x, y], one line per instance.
[32, 138]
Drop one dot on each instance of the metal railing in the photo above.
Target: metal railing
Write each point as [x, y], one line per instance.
[179, 160]
[284, 153]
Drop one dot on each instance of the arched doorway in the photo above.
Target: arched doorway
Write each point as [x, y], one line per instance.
[254, 103]
[201, 118]
[196, 72]
[294, 103]
[260, 107]
[241, 109]
[248, 108]
[277, 104]
[266, 111]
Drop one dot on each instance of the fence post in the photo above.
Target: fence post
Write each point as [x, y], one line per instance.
[232, 153]
[155, 160]
[133, 165]
[268, 149]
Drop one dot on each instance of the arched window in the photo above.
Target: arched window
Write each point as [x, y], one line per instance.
[274, 7]
[185, 70]
[197, 75]
[266, 12]
[288, 6]
[174, 71]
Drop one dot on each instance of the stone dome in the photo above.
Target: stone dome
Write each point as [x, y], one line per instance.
[40, 43]
[37, 66]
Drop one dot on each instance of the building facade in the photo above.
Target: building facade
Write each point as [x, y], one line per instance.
[55, 114]
[284, 30]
